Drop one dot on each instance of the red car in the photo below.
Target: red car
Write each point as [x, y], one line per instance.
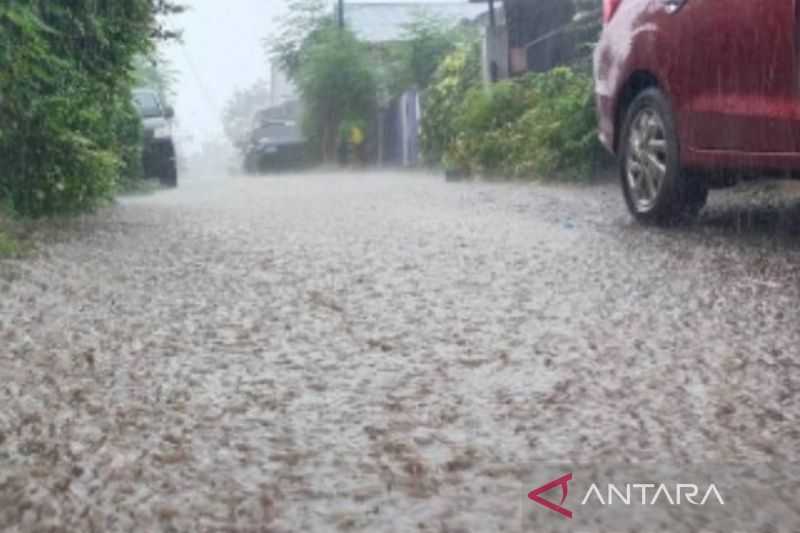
[692, 94]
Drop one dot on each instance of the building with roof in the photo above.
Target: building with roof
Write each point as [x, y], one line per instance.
[537, 35]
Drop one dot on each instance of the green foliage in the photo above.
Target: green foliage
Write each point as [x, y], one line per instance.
[484, 110]
[347, 126]
[337, 84]
[484, 123]
[458, 72]
[127, 127]
[331, 68]
[559, 133]
[298, 29]
[542, 125]
[413, 60]
[155, 72]
[341, 79]
[67, 127]
[8, 246]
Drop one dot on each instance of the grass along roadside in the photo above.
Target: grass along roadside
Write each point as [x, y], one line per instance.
[20, 236]
[14, 242]
[8, 245]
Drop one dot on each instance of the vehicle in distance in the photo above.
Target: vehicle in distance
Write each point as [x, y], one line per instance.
[276, 141]
[159, 148]
[694, 94]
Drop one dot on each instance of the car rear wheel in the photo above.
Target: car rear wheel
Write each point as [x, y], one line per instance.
[656, 188]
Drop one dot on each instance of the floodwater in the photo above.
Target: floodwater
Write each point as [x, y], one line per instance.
[382, 352]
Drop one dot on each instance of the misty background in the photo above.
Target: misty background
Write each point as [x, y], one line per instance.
[222, 50]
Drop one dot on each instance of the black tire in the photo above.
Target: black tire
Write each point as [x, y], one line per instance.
[677, 194]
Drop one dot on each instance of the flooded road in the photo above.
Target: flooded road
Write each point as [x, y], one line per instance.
[382, 352]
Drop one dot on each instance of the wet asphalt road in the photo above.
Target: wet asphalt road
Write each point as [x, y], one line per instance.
[382, 352]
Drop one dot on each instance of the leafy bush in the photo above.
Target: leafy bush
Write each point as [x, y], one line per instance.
[337, 85]
[67, 127]
[297, 31]
[558, 135]
[8, 246]
[458, 72]
[541, 125]
[53, 164]
[412, 60]
[127, 127]
[483, 125]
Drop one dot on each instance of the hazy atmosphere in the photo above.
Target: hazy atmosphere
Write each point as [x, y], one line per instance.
[223, 50]
[413, 266]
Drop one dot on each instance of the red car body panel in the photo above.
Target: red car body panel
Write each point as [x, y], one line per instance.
[728, 67]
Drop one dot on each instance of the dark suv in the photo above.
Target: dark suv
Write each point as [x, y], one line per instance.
[159, 148]
[695, 93]
[276, 141]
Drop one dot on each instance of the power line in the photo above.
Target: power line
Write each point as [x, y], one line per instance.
[210, 100]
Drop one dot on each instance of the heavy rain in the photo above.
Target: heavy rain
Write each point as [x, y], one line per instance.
[399, 265]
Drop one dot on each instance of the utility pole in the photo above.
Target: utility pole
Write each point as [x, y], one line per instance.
[492, 44]
[340, 13]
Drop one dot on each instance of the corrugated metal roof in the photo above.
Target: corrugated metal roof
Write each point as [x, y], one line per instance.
[387, 21]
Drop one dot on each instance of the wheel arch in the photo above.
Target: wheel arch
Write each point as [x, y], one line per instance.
[638, 81]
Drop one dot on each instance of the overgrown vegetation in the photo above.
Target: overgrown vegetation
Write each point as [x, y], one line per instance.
[337, 85]
[296, 33]
[541, 125]
[332, 70]
[413, 60]
[484, 126]
[68, 130]
[8, 246]
[458, 73]
[155, 72]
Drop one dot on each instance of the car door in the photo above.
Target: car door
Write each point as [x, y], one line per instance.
[741, 89]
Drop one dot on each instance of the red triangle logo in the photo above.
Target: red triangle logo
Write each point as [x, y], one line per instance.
[562, 482]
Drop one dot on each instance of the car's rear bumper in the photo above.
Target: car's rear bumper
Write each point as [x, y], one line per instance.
[276, 157]
[276, 148]
[279, 152]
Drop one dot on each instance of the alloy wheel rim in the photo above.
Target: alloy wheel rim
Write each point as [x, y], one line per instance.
[646, 165]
